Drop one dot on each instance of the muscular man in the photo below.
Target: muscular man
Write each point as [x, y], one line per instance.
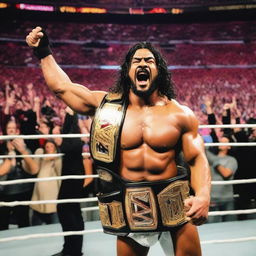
[153, 131]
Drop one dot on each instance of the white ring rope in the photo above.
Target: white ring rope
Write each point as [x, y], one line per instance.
[82, 232]
[40, 235]
[227, 126]
[76, 135]
[32, 156]
[38, 155]
[233, 212]
[232, 240]
[65, 177]
[71, 200]
[89, 209]
[229, 182]
[232, 144]
[42, 136]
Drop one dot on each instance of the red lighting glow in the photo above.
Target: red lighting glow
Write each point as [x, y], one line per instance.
[32, 7]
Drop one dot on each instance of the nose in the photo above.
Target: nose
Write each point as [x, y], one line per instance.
[143, 64]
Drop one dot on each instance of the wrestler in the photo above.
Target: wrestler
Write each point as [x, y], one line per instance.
[154, 128]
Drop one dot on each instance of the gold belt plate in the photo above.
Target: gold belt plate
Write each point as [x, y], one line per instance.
[141, 208]
[171, 203]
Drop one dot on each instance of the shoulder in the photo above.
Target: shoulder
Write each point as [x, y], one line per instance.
[186, 116]
[231, 159]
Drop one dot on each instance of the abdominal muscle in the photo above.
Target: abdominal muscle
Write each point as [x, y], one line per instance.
[145, 164]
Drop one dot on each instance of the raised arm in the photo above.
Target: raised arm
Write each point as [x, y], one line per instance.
[76, 96]
[194, 154]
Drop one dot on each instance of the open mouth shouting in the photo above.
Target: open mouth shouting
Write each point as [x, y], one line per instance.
[142, 77]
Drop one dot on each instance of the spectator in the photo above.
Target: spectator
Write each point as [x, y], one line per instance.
[48, 167]
[70, 214]
[223, 167]
[15, 168]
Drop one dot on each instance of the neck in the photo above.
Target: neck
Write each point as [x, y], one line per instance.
[152, 100]
[223, 153]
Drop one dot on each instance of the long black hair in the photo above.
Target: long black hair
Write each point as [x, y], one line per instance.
[164, 81]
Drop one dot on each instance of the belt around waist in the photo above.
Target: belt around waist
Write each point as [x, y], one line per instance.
[144, 206]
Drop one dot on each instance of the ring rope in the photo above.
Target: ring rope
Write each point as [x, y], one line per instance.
[232, 240]
[71, 200]
[40, 136]
[38, 155]
[214, 144]
[227, 126]
[82, 232]
[94, 199]
[65, 177]
[233, 212]
[89, 209]
[32, 156]
[41, 235]
[229, 182]
[232, 144]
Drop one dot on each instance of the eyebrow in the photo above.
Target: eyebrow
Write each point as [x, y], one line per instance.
[146, 59]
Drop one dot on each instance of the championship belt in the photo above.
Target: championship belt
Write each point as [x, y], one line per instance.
[106, 129]
[142, 206]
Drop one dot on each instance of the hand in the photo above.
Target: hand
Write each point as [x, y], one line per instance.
[226, 106]
[208, 102]
[33, 38]
[197, 208]
[19, 144]
[69, 111]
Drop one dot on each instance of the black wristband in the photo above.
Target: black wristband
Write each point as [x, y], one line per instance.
[43, 49]
[42, 52]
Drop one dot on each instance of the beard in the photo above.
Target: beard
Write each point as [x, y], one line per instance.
[144, 94]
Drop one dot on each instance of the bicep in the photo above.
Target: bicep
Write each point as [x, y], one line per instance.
[192, 142]
[192, 145]
[80, 98]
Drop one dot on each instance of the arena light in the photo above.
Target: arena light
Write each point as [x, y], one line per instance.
[32, 7]
[136, 11]
[71, 9]
[176, 11]
[158, 10]
[91, 10]
[3, 5]
[232, 7]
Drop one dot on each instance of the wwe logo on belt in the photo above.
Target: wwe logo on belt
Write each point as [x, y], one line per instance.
[141, 208]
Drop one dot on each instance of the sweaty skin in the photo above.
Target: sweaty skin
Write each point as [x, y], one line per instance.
[152, 128]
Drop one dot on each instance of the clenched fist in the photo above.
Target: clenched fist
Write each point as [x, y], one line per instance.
[38, 39]
[34, 37]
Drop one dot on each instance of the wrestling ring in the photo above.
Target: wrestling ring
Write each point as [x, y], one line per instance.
[225, 238]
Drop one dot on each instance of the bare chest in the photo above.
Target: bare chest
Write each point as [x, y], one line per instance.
[155, 127]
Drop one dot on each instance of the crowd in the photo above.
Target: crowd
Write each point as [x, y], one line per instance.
[180, 54]
[191, 86]
[129, 33]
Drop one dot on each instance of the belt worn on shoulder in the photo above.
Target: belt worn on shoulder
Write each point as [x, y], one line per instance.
[129, 207]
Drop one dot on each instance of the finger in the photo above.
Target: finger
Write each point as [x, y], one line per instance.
[191, 211]
[188, 203]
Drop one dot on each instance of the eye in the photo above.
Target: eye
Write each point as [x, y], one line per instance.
[151, 61]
